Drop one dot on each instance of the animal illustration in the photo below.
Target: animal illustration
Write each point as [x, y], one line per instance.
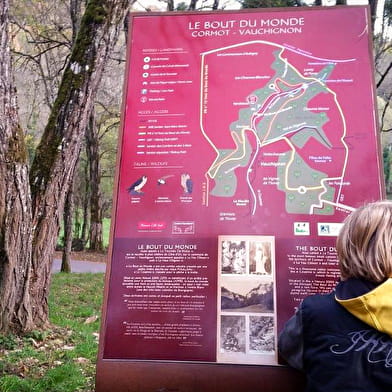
[186, 183]
[162, 180]
[136, 187]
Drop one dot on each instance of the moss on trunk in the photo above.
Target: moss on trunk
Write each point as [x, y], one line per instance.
[17, 151]
[80, 68]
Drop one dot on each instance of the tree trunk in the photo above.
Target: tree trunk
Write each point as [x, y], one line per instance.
[75, 9]
[68, 232]
[373, 10]
[170, 5]
[93, 157]
[15, 206]
[86, 205]
[58, 152]
[192, 5]
[29, 227]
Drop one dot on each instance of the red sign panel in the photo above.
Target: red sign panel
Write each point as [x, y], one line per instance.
[247, 138]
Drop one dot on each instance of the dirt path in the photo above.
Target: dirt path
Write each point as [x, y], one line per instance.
[82, 262]
[85, 256]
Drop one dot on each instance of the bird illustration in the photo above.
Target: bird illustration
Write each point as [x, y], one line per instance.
[186, 183]
[136, 187]
[162, 180]
[189, 186]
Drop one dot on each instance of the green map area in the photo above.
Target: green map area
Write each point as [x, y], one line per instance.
[278, 112]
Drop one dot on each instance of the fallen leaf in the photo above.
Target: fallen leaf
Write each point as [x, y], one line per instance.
[68, 347]
[35, 344]
[96, 335]
[81, 360]
[91, 319]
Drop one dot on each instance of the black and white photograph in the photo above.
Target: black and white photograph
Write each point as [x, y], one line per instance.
[247, 296]
[246, 300]
[260, 258]
[233, 334]
[233, 257]
[261, 334]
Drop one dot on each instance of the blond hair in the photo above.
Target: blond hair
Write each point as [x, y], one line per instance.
[364, 244]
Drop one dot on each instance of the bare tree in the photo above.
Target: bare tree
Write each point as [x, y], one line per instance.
[37, 223]
[93, 154]
[75, 10]
[15, 202]
[192, 5]
[68, 223]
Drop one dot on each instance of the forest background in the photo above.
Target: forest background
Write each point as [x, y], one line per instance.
[68, 59]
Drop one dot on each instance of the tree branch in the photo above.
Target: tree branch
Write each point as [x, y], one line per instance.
[384, 75]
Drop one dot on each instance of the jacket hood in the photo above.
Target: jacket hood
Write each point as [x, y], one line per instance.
[367, 301]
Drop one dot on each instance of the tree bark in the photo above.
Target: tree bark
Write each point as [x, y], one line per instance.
[68, 233]
[170, 5]
[373, 10]
[192, 5]
[58, 152]
[75, 9]
[29, 226]
[15, 207]
[86, 205]
[93, 157]
[384, 75]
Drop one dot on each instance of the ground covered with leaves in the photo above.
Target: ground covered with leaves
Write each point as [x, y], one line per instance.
[62, 358]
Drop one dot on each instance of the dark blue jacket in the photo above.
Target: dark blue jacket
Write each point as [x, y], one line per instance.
[337, 351]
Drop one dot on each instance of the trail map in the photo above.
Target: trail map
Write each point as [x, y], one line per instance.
[292, 109]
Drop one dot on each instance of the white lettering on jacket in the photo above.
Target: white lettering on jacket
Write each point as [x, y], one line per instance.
[378, 347]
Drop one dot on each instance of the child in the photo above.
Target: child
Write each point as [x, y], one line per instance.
[343, 340]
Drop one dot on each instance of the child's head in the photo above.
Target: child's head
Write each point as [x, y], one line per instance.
[364, 244]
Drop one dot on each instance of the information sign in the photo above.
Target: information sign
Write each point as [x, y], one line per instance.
[247, 138]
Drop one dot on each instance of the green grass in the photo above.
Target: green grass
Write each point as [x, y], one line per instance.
[105, 234]
[62, 358]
